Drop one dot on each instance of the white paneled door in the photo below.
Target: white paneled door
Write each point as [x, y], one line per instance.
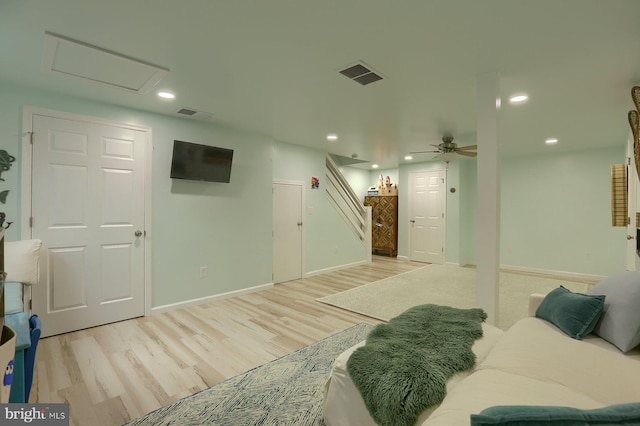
[88, 185]
[287, 232]
[427, 216]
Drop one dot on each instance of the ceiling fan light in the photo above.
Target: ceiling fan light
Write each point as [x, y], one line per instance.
[551, 141]
[446, 156]
[408, 157]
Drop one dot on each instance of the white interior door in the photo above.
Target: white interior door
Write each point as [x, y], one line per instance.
[287, 232]
[427, 216]
[88, 185]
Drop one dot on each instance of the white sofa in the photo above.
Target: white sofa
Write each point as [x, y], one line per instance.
[533, 363]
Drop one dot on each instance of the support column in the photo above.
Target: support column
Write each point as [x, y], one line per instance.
[488, 248]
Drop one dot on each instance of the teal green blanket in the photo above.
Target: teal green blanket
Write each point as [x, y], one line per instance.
[405, 364]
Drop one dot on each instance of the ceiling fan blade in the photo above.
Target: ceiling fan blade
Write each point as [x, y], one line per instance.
[423, 152]
[464, 148]
[467, 154]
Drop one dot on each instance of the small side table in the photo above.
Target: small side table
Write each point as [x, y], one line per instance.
[19, 322]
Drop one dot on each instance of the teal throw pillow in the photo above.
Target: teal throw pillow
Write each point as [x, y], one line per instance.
[574, 313]
[524, 415]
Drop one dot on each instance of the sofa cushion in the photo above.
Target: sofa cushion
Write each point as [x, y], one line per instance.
[488, 388]
[574, 313]
[593, 367]
[620, 414]
[620, 321]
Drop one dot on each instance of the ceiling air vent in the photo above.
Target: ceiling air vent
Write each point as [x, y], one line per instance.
[194, 113]
[361, 73]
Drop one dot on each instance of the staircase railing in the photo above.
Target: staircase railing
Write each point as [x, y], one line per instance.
[348, 205]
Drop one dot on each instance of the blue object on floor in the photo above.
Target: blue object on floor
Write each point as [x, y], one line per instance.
[35, 326]
[19, 322]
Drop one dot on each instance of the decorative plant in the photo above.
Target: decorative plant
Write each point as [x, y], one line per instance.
[6, 160]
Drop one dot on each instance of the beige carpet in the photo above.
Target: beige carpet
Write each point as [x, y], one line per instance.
[444, 285]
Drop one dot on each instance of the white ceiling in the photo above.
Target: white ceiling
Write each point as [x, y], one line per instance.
[271, 66]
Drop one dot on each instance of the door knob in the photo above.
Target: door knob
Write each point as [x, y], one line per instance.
[138, 233]
[412, 221]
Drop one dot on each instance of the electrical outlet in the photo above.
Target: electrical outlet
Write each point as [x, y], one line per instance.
[203, 272]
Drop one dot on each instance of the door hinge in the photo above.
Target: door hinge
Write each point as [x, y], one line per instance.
[443, 215]
[31, 138]
[30, 304]
[31, 222]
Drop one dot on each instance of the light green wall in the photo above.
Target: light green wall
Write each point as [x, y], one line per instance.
[556, 212]
[222, 226]
[468, 193]
[359, 180]
[329, 240]
[555, 208]
[11, 141]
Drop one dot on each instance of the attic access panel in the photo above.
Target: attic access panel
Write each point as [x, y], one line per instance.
[84, 61]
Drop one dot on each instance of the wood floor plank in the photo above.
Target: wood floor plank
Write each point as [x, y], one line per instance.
[117, 372]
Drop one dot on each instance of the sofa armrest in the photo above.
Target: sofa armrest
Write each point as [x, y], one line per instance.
[534, 301]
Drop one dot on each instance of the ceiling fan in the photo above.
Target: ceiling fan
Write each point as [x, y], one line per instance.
[448, 148]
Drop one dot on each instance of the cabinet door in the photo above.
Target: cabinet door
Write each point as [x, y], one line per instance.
[386, 217]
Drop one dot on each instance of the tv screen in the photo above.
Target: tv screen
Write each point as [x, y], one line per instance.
[193, 161]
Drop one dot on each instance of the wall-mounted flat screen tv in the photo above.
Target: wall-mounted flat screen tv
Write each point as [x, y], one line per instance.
[194, 161]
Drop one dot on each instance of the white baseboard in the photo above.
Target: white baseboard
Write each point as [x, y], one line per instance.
[563, 274]
[215, 297]
[335, 268]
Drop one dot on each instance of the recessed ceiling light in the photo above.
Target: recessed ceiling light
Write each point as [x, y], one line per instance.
[518, 99]
[374, 166]
[551, 141]
[332, 137]
[166, 95]
[408, 157]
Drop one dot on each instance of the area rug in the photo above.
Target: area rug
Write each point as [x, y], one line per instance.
[444, 285]
[287, 391]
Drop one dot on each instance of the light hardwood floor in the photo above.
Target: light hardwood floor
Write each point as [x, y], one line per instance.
[117, 372]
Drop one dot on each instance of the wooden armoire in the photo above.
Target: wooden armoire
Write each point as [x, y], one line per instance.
[384, 222]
